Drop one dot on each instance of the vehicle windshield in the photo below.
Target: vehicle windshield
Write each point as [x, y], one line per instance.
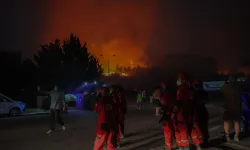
[5, 98]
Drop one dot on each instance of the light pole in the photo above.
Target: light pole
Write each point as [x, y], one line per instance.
[108, 62]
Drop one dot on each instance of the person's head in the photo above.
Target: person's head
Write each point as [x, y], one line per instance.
[182, 78]
[105, 91]
[55, 88]
[163, 85]
[120, 90]
[157, 91]
[99, 92]
[197, 84]
[111, 90]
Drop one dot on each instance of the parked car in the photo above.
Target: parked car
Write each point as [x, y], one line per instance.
[11, 107]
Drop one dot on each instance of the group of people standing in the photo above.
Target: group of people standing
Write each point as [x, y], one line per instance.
[111, 107]
[183, 116]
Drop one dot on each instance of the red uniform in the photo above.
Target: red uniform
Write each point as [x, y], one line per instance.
[105, 125]
[168, 129]
[200, 115]
[180, 123]
[166, 100]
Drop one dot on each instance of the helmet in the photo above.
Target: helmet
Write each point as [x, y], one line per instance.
[105, 90]
[99, 91]
[113, 88]
[102, 90]
[197, 82]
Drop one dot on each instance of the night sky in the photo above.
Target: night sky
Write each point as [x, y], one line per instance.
[137, 30]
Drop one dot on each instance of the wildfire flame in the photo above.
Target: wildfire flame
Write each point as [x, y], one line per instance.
[119, 31]
[118, 52]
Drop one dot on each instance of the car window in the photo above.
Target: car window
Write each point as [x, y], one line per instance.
[5, 99]
[2, 99]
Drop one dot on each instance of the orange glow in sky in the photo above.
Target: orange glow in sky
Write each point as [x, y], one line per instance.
[109, 28]
[118, 52]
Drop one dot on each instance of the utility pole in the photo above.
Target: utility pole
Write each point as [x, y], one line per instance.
[108, 63]
[108, 67]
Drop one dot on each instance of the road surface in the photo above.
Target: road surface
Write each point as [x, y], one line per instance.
[142, 131]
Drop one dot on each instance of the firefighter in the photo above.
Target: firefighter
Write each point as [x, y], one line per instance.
[139, 100]
[117, 103]
[157, 101]
[151, 98]
[180, 124]
[144, 97]
[196, 133]
[123, 111]
[167, 112]
[200, 99]
[105, 124]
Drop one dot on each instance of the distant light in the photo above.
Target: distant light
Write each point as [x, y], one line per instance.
[95, 82]
[104, 85]
[85, 83]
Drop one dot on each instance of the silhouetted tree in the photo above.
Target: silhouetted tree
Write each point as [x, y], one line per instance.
[49, 62]
[68, 64]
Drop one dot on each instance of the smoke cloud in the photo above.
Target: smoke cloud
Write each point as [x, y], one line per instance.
[135, 31]
[110, 27]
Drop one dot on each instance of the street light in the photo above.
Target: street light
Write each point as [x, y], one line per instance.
[108, 62]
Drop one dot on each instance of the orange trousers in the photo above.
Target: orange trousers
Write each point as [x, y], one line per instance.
[181, 130]
[168, 130]
[196, 134]
[106, 137]
[181, 135]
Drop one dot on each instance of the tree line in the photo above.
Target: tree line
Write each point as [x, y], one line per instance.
[67, 63]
